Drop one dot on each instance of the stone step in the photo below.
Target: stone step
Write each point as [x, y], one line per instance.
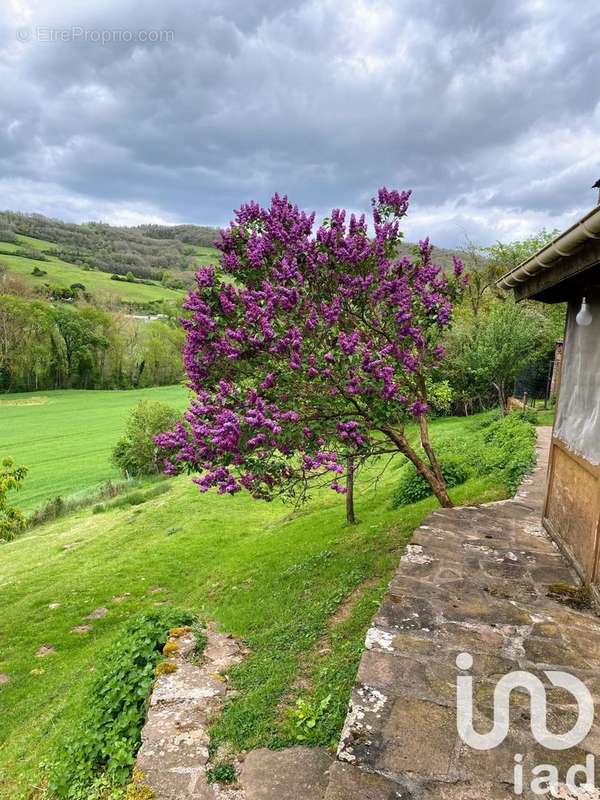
[350, 783]
[296, 773]
[172, 762]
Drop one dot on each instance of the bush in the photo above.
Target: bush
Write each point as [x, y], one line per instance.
[132, 499]
[509, 449]
[413, 487]
[529, 415]
[104, 745]
[12, 519]
[7, 235]
[60, 506]
[136, 453]
[30, 252]
[39, 273]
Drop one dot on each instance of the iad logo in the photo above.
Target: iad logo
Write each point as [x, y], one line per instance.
[545, 776]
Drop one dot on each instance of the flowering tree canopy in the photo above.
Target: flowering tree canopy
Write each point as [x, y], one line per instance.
[310, 351]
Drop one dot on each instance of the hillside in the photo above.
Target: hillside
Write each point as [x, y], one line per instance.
[299, 587]
[143, 250]
[63, 275]
[115, 264]
[132, 265]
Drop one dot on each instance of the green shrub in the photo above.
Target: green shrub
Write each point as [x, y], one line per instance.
[136, 453]
[133, 498]
[529, 415]
[413, 487]
[60, 506]
[30, 252]
[12, 519]
[509, 449]
[104, 744]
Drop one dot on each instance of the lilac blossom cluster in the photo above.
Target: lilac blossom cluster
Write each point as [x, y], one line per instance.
[304, 345]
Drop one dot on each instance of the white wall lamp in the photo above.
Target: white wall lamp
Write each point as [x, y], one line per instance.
[584, 315]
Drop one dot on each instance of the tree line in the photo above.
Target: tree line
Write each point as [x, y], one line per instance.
[46, 345]
[493, 340]
[146, 251]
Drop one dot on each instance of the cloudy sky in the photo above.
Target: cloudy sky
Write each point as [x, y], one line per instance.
[489, 111]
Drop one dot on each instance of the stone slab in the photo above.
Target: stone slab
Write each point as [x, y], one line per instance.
[297, 773]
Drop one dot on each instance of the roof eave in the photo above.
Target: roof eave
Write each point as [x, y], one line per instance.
[563, 246]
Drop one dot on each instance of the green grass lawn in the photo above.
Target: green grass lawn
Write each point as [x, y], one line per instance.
[66, 437]
[545, 417]
[63, 274]
[264, 572]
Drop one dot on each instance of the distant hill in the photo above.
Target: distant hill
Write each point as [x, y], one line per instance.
[136, 265]
[146, 250]
[441, 255]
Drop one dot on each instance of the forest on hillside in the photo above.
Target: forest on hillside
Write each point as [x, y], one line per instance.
[146, 251]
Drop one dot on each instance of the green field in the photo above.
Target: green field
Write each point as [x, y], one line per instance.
[206, 255]
[263, 572]
[66, 437]
[63, 274]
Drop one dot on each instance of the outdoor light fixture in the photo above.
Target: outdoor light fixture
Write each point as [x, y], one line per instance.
[584, 315]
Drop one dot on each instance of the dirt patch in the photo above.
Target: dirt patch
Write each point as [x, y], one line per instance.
[28, 401]
[346, 607]
[44, 650]
[98, 613]
[82, 630]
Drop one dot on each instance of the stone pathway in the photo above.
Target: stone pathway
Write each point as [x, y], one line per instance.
[474, 580]
[173, 759]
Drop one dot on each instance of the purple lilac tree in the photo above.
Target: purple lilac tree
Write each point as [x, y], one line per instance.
[309, 352]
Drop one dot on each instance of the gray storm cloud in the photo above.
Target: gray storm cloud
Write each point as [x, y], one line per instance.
[489, 111]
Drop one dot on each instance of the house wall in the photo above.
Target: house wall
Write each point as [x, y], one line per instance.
[578, 414]
[572, 510]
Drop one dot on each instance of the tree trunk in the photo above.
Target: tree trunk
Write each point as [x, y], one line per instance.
[438, 485]
[350, 518]
[501, 397]
[426, 444]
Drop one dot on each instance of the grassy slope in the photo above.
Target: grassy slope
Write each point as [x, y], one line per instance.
[206, 255]
[262, 571]
[545, 417]
[67, 439]
[61, 273]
